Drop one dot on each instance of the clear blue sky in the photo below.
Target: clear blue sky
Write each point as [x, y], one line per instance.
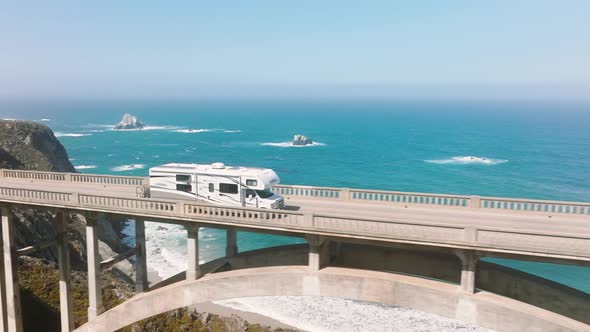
[295, 48]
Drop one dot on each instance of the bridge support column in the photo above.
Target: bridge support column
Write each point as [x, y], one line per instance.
[3, 314]
[95, 306]
[13, 304]
[141, 280]
[469, 261]
[231, 248]
[193, 271]
[318, 252]
[65, 291]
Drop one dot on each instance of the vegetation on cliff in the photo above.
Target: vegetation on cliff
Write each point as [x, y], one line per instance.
[31, 146]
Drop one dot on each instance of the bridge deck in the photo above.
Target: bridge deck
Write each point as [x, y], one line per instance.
[561, 224]
[504, 227]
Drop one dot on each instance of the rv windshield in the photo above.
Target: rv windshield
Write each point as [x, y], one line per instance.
[264, 193]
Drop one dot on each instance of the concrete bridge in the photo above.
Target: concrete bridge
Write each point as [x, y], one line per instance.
[416, 250]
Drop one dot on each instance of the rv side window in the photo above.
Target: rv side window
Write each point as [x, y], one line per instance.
[183, 178]
[184, 187]
[250, 193]
[211, 187]
[252, 183]
[227, 188]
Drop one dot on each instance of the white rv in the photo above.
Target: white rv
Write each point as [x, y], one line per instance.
[216, 183]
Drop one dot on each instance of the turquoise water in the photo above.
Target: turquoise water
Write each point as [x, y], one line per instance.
[531, 150]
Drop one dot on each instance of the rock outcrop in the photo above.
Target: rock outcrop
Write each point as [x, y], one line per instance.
[302, 140]
[29, 145]
[129, 122]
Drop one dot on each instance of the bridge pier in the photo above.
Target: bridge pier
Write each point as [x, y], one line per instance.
[231, 248]
[318, 252]
[3, 314]
[65, 291]
[193, 271]
[13, 303]
[469, 261]
[141, 280]
[95, 306]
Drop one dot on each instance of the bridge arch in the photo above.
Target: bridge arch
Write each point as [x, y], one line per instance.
[432, 296]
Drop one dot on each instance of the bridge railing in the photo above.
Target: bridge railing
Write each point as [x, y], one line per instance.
[377, 196]
[33, 196]
[33, 175]
[540, 206]
[427, 200]
[434, 200]
[74, 178]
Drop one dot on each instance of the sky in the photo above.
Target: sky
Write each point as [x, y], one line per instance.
[374, 49]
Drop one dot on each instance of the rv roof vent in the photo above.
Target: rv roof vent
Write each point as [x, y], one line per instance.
[217, 166]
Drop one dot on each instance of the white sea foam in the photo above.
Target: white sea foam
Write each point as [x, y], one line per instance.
[227, 131]
[60, 134]
[95, 131]
[291, 145]
[465, 160]
[166, 246]
[45, 120]
[193, 131]
[322, 314]
[85, 166]
[160, 127]
[144, 128]
[124, 168]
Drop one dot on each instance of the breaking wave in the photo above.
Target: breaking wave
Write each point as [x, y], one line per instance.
[323, 314]
[166, 246]
[60, 134]
[231, 131]
[111, 127]
[193, 131]
[85, 167]
[291, 145]
[160, 128]
[466, 160]
[124, 168]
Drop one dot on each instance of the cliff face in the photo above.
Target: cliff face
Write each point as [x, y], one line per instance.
[31, 146]
[28, 145]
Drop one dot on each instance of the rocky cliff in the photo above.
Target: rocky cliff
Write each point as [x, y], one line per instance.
[31, 146]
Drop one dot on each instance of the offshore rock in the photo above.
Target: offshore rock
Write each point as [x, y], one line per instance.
[129, 122]
[301, 140]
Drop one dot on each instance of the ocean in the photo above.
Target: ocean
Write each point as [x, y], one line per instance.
[511, 149]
